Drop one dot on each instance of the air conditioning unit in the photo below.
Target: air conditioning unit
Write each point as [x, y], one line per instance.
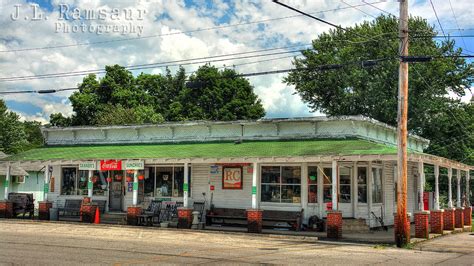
[19, 179]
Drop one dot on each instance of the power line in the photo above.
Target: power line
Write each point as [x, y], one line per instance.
[457, 24]
[437, 18]
[216, 58]
[175, 33]
[361, 63]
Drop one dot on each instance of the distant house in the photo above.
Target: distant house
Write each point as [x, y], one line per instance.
[314, 164]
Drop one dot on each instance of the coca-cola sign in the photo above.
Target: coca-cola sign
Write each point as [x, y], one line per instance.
[107, 165]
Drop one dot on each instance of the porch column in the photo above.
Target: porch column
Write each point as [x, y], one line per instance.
[450, 188]
[458, 182]
[304, 189]
[135, 188]
[355, 197]
[421, 185]
[334, 217]
[334, 185]
[254, 215]
[134, 210]
[436, 195]
[254, 186]
[6, 207]
[46, 182]
[186, 186]
[468, 207]
[7, 181]
[90, 184]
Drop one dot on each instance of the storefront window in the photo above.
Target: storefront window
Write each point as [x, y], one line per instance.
[327, 185]
[166, 181]
[69, 179]
[313, 184]
[99, 181]
[281, 184]
[82, 183]
[344, 184]
[376, 185]
[362, 184]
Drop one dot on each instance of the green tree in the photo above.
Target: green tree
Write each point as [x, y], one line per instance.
[372, 91]
[33, 134]
[119, 98]
[13, 138]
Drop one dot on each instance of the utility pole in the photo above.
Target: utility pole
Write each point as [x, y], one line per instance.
[402, 229]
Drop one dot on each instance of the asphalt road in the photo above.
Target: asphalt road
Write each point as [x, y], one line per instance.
[33, 243]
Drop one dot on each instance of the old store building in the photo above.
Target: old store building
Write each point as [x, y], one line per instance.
[315, 164]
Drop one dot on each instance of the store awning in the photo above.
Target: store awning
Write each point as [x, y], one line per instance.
[14, 170]
[208, 150]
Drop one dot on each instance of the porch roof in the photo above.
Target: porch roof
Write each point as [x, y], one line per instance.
[208, 150]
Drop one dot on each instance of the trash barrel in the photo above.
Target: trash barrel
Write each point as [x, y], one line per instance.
[54, 214]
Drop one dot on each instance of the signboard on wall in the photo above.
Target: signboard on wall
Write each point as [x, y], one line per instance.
[134, 165]
[87, 166]
[110, 165]
[232, 177]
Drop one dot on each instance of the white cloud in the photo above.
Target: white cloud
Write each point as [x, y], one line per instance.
[277, 97]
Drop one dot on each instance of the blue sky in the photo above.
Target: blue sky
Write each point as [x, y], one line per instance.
[169, 17]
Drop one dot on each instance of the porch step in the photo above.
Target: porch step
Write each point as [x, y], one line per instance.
[354, 225]
[114, 218]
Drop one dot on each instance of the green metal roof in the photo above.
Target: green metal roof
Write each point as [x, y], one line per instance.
[207, 150]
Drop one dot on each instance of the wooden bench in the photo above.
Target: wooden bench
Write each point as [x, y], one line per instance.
[23, 203]
[101, 205]
[293, 218]
[72, 207]
[269, 217]
[221, 215]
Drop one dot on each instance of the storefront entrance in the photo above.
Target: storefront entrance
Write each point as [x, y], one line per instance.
[345, 191]
[116, 191]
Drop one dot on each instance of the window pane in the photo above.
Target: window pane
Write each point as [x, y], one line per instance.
[270, 193]
[345, 193]
[313, 194]
[82, 182]
[69, 181]
[362, 175]
[99, 181]
[164, 179]
[327, 193]
[377, 185]
[271, 174]
[291, 175]
[327, 175]
[149, 185]
[362, 193]
[291, 193]
[312, 175]
[178, 181]
[345, 176]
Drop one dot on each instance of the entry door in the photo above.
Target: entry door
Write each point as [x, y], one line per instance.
[345, 191]
[116, 191]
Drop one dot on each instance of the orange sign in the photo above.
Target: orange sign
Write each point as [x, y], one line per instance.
[232, 177]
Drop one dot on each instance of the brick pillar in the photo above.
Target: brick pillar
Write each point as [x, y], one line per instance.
[185, 217]
[468, 216]
[88, 212]
[6, 209]
[334, 224]
[437, 221]
[132, 215]
[254, 220]
[43, 210]
[422, 224]
[408, 226]
[449, 219]
[459, 218]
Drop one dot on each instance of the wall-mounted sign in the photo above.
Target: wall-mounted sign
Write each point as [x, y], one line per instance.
[108, 165]
[214, 169]
[232, 177]
[134, 165]
[211, 187]
[87, 166]
[130, 187]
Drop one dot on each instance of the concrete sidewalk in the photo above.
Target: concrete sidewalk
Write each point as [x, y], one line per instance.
[58, 243]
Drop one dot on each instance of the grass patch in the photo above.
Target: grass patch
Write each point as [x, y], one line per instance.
[381, 246]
